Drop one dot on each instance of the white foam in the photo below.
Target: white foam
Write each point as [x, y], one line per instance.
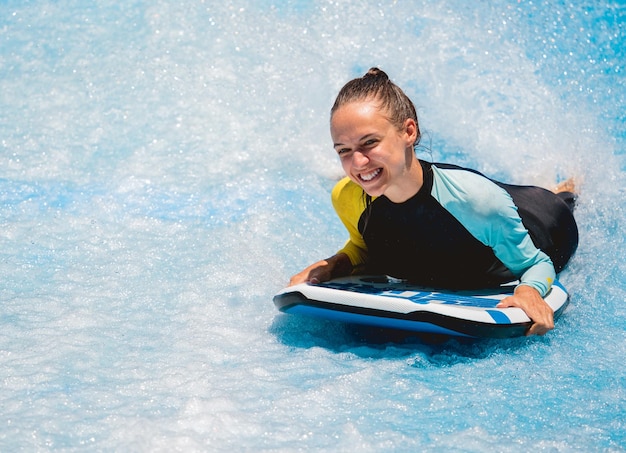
[165, 168]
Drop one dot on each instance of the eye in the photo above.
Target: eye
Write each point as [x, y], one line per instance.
[370, 142]
[342, 151]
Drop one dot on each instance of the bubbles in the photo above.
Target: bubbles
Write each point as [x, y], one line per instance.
[165, 167]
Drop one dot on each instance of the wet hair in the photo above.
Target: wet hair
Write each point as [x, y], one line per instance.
[375, 85]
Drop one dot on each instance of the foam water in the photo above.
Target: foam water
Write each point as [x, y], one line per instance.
[166, 166]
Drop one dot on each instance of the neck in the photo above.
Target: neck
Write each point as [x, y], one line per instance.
[408, 184]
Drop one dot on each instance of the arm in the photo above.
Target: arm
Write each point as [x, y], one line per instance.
[490, 215]
[349, 204]
[347, 200]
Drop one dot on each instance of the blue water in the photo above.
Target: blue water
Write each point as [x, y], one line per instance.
[166, 166]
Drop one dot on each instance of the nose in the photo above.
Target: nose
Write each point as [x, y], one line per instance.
[359, 159]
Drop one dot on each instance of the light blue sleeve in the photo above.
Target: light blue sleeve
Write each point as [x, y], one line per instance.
[489, 214]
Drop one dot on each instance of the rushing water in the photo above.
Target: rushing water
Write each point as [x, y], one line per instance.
[166, 166]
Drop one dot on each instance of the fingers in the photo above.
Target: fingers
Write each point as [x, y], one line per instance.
[508, 302]
[542, 323]
[296, 279]
[315, 273]
[537, 329]
[539, 312]
[303, 278]
[337, 265]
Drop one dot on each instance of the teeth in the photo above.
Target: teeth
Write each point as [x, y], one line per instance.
[370, 176]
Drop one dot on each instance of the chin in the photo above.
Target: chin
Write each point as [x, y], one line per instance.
[373, 192]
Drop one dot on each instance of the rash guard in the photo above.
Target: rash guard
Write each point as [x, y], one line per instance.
[461, 230]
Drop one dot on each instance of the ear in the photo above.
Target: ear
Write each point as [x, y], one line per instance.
[410, 129]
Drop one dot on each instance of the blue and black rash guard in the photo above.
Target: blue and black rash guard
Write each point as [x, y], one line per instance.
[461, 230]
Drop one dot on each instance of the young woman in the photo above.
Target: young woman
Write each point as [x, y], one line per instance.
[437, 224]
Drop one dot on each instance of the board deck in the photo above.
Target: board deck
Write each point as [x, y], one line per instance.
[395, 304]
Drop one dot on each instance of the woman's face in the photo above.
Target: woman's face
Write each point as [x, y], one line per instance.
[373, 152]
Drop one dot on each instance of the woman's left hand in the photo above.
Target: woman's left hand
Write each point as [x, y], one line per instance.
[528, 299]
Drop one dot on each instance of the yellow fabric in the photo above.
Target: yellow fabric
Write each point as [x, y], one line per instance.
[349, 203]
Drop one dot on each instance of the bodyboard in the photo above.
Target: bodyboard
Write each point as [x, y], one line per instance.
[385, 302]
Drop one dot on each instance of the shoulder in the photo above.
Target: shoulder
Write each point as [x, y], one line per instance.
[459, 186]
[346, 191]
[348, 199]
[346, 184]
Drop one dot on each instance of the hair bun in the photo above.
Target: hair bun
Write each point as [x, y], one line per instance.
[376, 73]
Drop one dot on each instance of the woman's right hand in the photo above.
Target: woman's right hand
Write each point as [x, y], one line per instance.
[336, 266]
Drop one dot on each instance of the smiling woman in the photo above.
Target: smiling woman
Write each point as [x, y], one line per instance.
[370, 117]
[366, 140]
[436, 224]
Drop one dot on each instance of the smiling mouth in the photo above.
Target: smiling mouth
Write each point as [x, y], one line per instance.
[366, 177]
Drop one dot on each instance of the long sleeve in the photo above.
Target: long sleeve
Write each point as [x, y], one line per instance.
[349, 203]
[489, 214]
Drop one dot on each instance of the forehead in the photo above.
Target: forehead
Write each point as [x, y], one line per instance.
[369, 103]
[357, 116]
